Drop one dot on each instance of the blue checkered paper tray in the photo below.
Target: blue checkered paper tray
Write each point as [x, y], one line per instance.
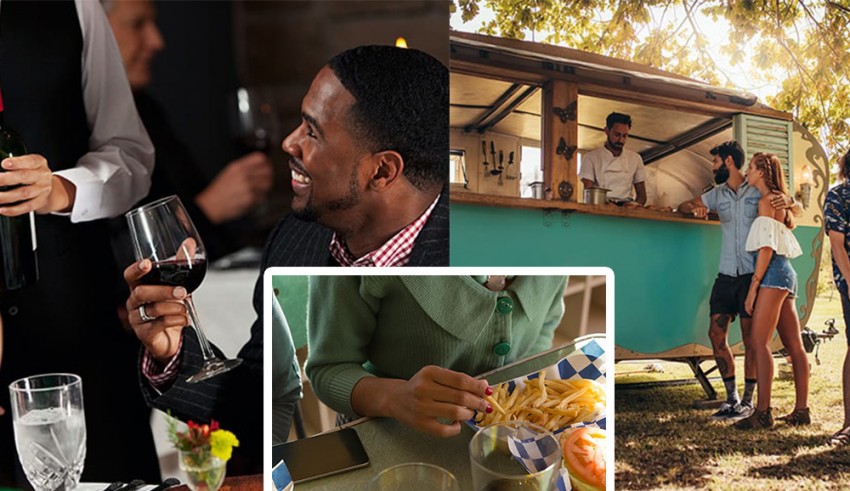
[587, 362]
[527, 449]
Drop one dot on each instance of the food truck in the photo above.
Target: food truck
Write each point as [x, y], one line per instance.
[522, 115]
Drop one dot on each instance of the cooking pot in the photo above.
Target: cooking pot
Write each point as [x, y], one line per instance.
[596, 196]
[537, 190]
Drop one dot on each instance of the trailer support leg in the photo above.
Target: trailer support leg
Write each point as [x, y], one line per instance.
[702, 377]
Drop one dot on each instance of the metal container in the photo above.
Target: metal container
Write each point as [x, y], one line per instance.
[596, 196]
[537, 190]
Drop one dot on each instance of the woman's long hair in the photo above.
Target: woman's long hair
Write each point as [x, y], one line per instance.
[844, 167]
[769, 164]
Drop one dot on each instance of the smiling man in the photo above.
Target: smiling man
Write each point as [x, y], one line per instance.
[369, 166]
[369, 173]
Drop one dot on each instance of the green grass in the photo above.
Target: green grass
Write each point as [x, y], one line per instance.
[662, 442]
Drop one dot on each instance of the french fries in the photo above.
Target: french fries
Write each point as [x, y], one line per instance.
[552, 404]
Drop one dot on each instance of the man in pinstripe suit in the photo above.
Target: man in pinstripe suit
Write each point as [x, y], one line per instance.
[369, 166]
[369, 172]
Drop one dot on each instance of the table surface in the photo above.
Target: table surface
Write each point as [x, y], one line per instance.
[389, 443]
[233, 483]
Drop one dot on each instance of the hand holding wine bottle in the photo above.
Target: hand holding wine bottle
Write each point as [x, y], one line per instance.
[28, 185]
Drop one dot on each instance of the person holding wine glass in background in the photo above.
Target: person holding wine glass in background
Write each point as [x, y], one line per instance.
[66, 95]
[232, 193]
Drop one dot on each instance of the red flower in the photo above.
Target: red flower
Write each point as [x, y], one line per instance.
[213, 425]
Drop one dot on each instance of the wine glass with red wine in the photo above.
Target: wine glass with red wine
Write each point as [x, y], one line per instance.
[163, 232]
[253, 120]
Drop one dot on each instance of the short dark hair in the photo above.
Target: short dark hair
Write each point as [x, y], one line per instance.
[401, 104]
[730, 149]
[615, 118]
[844, 167]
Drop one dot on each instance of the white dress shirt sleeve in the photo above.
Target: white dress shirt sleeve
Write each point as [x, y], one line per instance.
[116, 172]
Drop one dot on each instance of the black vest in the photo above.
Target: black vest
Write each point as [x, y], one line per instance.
[67, 321]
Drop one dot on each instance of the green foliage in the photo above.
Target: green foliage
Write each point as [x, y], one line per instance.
[804, 43]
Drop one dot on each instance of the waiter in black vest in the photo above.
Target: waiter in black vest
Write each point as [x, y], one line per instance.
[66, 94]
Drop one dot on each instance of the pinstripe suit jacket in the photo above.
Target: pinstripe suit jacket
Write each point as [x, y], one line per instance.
[294, 242]
[235, 398]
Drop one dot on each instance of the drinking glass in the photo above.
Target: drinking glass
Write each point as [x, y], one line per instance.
[494, 466]
[416, 476]
[163, 232]
[50, 429]
[253, 119]
[203, 471]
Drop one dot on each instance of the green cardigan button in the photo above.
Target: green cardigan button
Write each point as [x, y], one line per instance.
[504, 306]
[502, 349]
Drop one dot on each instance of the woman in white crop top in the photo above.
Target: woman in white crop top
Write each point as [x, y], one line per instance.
[772, 291]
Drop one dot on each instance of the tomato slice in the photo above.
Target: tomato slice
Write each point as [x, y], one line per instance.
[584, 455]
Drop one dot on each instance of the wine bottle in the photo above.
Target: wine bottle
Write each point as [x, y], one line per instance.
[18, 260]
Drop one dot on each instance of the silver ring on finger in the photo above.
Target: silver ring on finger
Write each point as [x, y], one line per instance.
[144, 315]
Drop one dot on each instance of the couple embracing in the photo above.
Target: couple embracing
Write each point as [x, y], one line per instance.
[755, 280]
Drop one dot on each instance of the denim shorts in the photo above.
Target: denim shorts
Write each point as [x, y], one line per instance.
[779, 274]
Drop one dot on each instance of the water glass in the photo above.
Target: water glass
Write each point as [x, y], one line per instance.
[203, 471]
[50, 429]
[416, 476]
[494, 466]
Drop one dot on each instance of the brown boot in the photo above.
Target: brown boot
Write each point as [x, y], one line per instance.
[757, 421]
[798, 417]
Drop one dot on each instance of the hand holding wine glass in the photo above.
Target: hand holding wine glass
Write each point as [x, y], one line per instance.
[160, 337]
[242, 184]
[164, 235]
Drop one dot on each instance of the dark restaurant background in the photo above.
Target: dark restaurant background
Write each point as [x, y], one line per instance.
[213, 47]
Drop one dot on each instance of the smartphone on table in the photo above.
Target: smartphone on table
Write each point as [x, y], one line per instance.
[321, 455]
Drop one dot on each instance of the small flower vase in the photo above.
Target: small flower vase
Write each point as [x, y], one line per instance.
[204, 472]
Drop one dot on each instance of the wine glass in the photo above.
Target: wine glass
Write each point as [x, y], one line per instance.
[50, 429]
[253, 119]
[163, 232]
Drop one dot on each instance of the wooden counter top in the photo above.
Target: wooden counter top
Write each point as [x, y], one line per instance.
[469, 198]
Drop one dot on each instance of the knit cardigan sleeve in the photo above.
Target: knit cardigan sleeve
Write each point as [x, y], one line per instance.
[340, 323]
[553, 317]
[393, 326]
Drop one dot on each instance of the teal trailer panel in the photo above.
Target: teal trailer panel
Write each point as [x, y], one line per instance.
[663, 271]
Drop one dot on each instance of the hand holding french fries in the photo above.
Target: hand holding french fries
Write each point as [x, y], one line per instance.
[552, 404]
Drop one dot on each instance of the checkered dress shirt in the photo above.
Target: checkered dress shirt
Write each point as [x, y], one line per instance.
[394, 252]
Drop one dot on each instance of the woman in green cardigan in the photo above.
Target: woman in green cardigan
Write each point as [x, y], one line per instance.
[407, 347]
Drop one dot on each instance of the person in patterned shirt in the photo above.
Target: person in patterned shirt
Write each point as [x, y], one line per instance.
[837, 218]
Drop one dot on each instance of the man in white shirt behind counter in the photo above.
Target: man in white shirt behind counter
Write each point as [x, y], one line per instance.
[613, 167]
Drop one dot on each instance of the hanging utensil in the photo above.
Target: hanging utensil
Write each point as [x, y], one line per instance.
[495, 171]
[484, 155]
[510, 163]
[501, 167]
